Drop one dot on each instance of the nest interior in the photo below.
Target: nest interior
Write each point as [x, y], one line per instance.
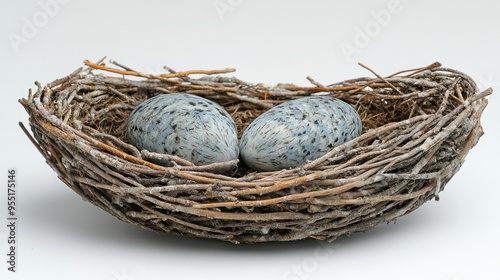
[419, 124]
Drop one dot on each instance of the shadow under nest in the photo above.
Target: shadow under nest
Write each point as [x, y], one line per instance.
[418, 125]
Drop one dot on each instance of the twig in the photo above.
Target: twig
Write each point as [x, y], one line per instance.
[380, 77]
[160, 77]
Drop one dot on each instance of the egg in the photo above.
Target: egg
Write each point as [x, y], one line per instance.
[188, 126]
[294, 132]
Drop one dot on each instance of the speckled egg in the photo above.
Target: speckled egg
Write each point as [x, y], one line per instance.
[293, 132]
[185, 125]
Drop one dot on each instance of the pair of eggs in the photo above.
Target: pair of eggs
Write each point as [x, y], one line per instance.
[201, 131]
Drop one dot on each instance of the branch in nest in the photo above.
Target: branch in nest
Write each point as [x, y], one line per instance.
[159, 77]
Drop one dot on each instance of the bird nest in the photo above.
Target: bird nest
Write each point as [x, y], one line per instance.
[418, 126]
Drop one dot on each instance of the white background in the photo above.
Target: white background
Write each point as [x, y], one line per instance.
[62, 237]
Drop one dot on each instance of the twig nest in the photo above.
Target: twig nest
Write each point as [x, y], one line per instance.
[184, 125]
[418, 127]
[296, 131]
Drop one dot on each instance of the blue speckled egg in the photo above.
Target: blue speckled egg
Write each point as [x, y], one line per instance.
[293, 132]
[188, 126]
